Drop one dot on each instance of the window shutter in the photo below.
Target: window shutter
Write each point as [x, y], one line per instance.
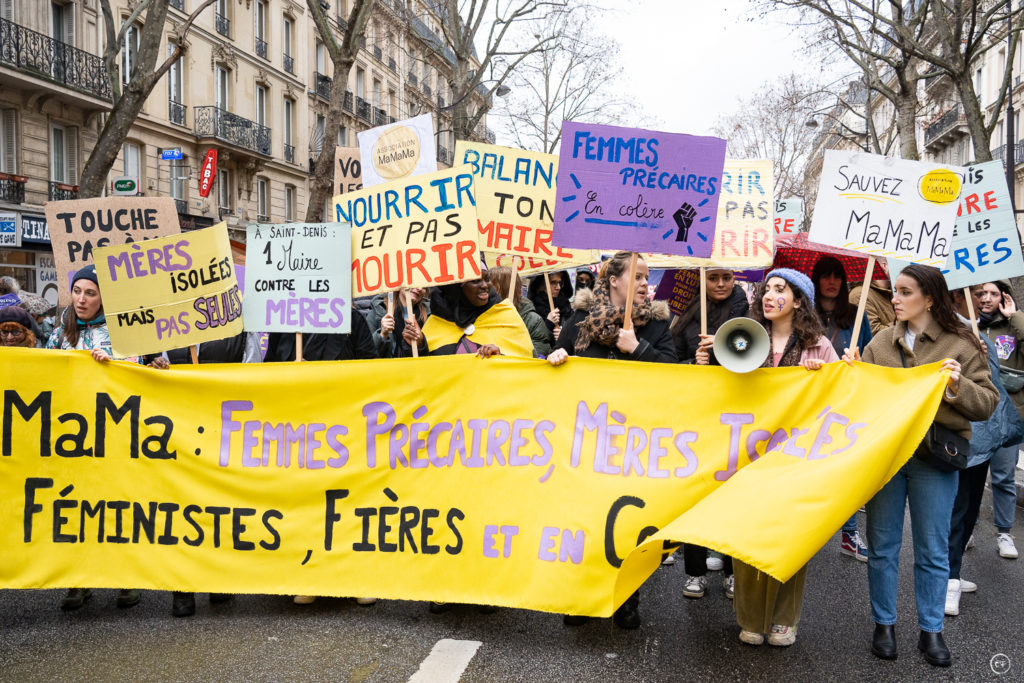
[10, 159]
[72, 155]
[69, 24]
[7, 10]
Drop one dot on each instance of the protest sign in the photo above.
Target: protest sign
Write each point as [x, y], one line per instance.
[210, 471]
[681, 287]
[348, 170]
[515, 204]
[11, 299]
[299, 278]
[789, 215]
[169, 292]
[637, 190]
[887, 207]
[417, 232]
[78, 226]
[397, 151]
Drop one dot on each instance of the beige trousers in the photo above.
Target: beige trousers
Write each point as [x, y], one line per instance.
[761, 601]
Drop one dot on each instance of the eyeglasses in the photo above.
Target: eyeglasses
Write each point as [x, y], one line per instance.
[12, 334]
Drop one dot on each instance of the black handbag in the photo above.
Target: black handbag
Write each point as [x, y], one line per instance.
[941, 447]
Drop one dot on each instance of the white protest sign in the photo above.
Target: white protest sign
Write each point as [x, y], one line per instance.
[789, 215]
[887, 207]
[298, 278]
[398, 150]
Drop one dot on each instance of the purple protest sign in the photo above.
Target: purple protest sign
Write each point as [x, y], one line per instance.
[637, 190]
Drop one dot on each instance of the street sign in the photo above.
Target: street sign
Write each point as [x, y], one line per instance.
[125, 186]
[169, 154]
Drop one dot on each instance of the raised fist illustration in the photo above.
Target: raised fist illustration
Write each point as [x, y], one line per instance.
[684, 216]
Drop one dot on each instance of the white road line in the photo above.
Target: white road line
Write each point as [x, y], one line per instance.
[446, 661]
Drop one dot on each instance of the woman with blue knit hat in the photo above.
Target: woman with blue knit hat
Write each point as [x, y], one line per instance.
[784, 304]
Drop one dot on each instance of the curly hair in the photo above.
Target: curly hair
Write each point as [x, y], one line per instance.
[806, 324]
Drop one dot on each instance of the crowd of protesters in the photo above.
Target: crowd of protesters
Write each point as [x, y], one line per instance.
[810, 319]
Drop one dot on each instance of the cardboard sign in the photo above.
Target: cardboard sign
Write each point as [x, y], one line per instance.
[298, 278]
[789, 215]
[888, 207]
[78, 226]
[9, 234]
[348, 170]
[418, 232]
[515, 206]
[637, 190]
[399, 150]
[170, 292]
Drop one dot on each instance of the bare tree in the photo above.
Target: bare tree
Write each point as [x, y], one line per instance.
[145, 74]
[575, 81]
[343, 56]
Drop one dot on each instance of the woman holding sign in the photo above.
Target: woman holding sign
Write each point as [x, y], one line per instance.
[560, 293]
[393, 326]
[784, 304]
[470, 317]
[596, 330]
[927, 330]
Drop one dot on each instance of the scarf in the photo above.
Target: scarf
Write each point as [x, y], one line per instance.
[989, 319]
[450, 303]
[790, 356]
[101, 319]
[604, 321]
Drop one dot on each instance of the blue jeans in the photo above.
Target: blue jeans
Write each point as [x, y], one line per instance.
[931, 494]
[850, 525]
[1004, 489]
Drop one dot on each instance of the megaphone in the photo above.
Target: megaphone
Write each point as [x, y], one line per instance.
[741, 345]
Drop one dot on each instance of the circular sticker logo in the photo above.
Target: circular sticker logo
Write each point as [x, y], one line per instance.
[396, 153]
[940, 186]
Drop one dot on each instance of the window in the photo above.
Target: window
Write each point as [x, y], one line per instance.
[289, 202]
[261, 200]
[261, 105]
[376, 93]
[222, 88]
[261, 20]
[321, 58]
[286, 37]
[63, 23]
[175, 91]
[342, 136]
[318, 134]
[224, 190]
[8, 141]
[7, 10]
[64, 154]
[392, 109]
[289, 108]
[179, 176]
[129, 53]
[132, 155]
[360, 83]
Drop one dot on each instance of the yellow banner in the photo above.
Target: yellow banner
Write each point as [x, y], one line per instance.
[515, 204]
[501, 481]
[169, 292]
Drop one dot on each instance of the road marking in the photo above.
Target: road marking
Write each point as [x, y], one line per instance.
[446, 661]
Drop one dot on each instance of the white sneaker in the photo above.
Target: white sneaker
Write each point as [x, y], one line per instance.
[751, 638]
[782, 636]
[695, 586]
[729, 584]
[304, 599]
[968, 586]
[365, 601]
[714, 563]
[1006, 547]
[953, 597]
[669, 561]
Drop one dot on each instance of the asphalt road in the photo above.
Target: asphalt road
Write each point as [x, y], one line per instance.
[270, 638]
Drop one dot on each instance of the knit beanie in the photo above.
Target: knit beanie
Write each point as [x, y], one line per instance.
[796, 280]
[87, 273]
[16, 314]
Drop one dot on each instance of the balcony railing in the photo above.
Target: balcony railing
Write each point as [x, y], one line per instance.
[182, 206]
[289, 154]
[393, 65]
[348, 103]
[363, 109]
[380, 117]
[52, 60]
[945, 122]
[262, 218]
[61, 191]
[12, 188]
[223, 25]
[178, 5]
[289, 63]
[261, 47]
[231, 128]
[999, 153]
[224, 211]
[176, 112]
[323, 85]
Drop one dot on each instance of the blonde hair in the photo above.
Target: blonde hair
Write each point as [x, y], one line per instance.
[500, 277]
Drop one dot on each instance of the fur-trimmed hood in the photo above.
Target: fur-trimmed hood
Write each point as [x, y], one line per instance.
[584, 299]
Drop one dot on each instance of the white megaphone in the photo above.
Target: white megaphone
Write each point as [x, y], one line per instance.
[741, 345]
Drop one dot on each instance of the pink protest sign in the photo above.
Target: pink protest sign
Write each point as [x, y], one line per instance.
[637, 190]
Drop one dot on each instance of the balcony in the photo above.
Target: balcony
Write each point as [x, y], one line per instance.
[392, 65]
[223, 25]
[289, 63]
[51, 60]
[176, 112]
[348, 105]
[261, 47]
[999, 153]
[224, 211]
[182, 206]
[947, 123]
[380, 117]
[443, 155]
[323, 85]
[289, 154]
[363, 109]
[12, 188]
[230, 128]
[178, 5]
[61, 191]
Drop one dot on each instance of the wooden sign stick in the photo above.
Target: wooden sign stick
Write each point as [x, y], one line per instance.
[409, 314]
[194, 352]
[863, 301]
[703, 302]
[551, 301]
[512, 279]
[298, 347]
[627, 318]
[970, 312]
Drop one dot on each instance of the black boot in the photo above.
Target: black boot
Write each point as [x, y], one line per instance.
[220, 598]
[628, 614]
[75, 598]
[574, 620]
[934, 648]
[183, 604]
[883, 642]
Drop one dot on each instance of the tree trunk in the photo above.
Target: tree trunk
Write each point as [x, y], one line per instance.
[323, 170]
[906, 115]
[975, 119]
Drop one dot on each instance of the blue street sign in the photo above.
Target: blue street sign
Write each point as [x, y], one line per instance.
[168, 154]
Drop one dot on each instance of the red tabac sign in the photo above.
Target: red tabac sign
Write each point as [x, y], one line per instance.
[208, 173]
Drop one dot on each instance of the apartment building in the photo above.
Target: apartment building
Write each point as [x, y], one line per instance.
[254, 85]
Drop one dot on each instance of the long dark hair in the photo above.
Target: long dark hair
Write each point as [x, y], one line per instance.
[70, 327]
[843, 313]
[806, 324]
[932, 284]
